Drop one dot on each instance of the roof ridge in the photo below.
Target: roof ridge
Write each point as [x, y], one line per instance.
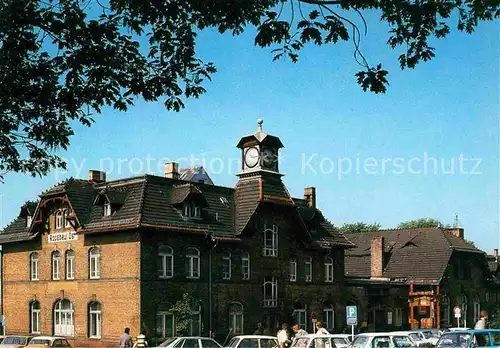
[142, 200]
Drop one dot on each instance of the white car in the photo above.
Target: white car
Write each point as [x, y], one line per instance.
[48, 341]
[190, 342]
[317, 341]
[429, 335]
[252, 341]
[382, 340]
[341, 340]
[416, 337]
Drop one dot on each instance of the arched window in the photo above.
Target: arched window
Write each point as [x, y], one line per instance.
[270, 292]
[462, 303]
[165, 262]
[192, 263]
[67, 212]
[328, 316]
[226, 266]
[64, 318]
[165, 322]
[300, 315]
[56, 261]
[94, 263]
[34, 266]
[70, 264]
[245, 266]
[35, 317]
[445, 311]
[95, 320]
[270, 240]
[308, 269]
[236, 318]
[328, 270]
[477, 308]
[59, 219]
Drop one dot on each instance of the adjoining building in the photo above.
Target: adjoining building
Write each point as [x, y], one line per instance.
[92, 257]
[416, 277]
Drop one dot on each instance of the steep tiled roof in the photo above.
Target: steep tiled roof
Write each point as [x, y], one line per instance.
[247, 199]
[195, 174]
[404, 249]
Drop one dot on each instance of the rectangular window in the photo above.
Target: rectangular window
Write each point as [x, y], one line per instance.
[165, 325]
[308, 269]
[94, 264]
[270, 292]
[35, 320]
[329, 271]
[270, 240]
[245, 266]
[95, 324]
[329, 318]
[34, 267]
[165, 262]
[226, 266]
[55, 266]
[293, 271]
[398, 317]
[300, 316]
[107, 209]
[70, 265]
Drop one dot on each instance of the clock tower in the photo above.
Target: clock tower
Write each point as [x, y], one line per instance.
[259, 152]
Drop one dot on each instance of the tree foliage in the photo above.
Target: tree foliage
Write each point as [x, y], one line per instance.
[422, 223]
[494, 318]
[359, 227]
[182, 312]
[60, 63]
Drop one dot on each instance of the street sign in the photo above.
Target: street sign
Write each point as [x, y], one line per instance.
[457, 311]
[351, 313]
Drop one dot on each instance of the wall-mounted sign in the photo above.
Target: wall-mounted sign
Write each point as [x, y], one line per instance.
[62, 237]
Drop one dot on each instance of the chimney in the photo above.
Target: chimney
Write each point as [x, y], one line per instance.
[377, 257]
[172, 170]
[495, 253]
[97, 176]
[457, 232]
[310, 196]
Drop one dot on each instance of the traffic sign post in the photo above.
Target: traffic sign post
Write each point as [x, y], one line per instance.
[458, 314]
[351, 314]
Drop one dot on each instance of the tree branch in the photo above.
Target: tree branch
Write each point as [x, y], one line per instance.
[321, 3]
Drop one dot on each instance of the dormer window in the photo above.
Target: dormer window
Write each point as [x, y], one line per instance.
[191, 210]
[67, 223]
[29, 220]
[59, 219]
[107, 209]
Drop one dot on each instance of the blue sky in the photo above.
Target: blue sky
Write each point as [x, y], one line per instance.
[445, 111]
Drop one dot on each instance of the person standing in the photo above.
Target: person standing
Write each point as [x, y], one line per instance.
[298, 331]
[320, 329]
[282, 336]
[481, 323]
[126, 339]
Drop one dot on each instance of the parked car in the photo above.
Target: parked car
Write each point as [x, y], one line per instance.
[419, 341]
[469, 339]
[48, 341]
[314, 341]
[190, 342]
[14, 341]
[341, 340]
[382, 340]
[429, 335]
[252, 341]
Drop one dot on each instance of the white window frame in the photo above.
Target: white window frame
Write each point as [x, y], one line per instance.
[193, 263]
[270, 299]
[94, 263]
[67, 223]
[308, 271]
[64, 318]
[70, 264]
[462, 300]
[107, 209]
[161, 316]
[329, 318]
[34, 266]
[476, 304]
[398, 317]
[56, 264]
[95, 319]
[293, 270]
[196, 313]
[196, 211]
[445, 308]
[29, 221]
[35, 317]
[235, 315]
[226, 266]
[300, 317]
[59, 219]
[166, 260]
[270, 241]
[328, 270]
[245, 266]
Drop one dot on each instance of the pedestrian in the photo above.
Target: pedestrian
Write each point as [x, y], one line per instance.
[259, 330]
[481, 323]
[320, 329]
[126, 339]
[283, 339]
[298, 331]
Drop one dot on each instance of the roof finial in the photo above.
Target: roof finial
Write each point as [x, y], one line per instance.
[259, 124]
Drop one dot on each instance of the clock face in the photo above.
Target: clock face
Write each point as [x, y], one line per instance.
[269, 157]
[252, 157]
